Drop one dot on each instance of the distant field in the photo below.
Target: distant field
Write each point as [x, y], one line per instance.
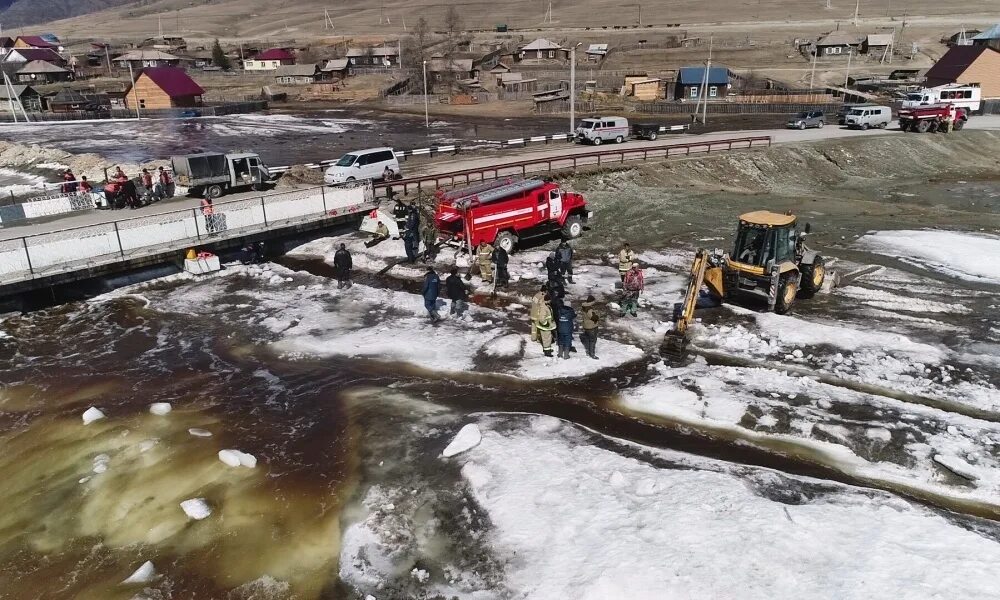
[274, 19]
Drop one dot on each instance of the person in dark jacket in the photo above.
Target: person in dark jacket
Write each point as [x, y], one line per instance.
[500, 259]
[410, 243]
[457, 292]
[342, 265]
[432, 285]
[591, 320]
[564, 260]
[413, 217]
[565, 323]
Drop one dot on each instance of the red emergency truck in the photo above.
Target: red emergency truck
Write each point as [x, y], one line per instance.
[504, 211]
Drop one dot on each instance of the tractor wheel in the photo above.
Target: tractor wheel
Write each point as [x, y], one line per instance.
[787, 290]
[922, 126]
[959, 124]
[597, 141]
[506, 240]
[813, 277]
[213, 191]
[619, 139]
[573, 228]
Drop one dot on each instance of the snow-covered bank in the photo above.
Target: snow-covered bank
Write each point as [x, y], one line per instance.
[578, 521]
[957, 254]
[874, 437]
[17, 156]
[17, 183]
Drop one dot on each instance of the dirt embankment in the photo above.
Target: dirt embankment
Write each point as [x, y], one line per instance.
[23, 157]
[847, 186]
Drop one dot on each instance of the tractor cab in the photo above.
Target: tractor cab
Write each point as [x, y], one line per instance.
[765, 238]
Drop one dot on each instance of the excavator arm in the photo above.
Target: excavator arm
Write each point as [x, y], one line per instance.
[702, 273]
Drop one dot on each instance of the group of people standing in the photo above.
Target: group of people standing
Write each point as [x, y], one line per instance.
[120, 191]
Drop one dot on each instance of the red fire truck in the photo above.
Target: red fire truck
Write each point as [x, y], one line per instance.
[504, 211]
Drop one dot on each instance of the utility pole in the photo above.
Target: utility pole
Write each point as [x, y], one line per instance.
[159, 24]
[427, 118]
[107, 55]
[850, 54]
[640, 14]
[572, 89]
[857, 9]
[135, 93]
[10, 96]
[703, 92]
[812, 71]
[327, 20]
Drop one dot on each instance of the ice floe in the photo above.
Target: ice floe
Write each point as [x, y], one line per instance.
[92, 414]
[468, 437]
[196, 508]
[957, 254]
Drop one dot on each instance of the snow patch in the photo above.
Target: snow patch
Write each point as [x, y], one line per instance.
[957, 254]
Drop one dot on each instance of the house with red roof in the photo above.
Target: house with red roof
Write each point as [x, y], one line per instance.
[968, 64]
[34, 41]
[269, 60]
[163, 87]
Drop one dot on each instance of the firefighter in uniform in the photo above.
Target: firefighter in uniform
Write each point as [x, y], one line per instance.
[546, 325]
[625, 259]
[536, 305]
[484, 255]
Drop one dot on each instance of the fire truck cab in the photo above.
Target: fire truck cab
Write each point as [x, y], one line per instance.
[505, 211]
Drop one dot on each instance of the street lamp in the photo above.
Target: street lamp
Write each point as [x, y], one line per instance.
[427, 118]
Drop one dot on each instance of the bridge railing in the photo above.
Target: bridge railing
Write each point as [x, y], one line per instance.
[51, 253]
[567, 162]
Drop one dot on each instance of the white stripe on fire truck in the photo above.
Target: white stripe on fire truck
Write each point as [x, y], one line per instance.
[505, 215]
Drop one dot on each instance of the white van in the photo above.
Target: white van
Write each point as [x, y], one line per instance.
[364, 164]
[866, 117]
[603, 129]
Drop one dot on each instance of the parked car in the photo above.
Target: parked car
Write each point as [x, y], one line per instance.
[810, 118]
[364, 164]
[865, 117]
[603, 129]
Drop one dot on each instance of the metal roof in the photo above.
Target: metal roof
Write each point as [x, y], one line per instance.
[380, 51]
[41, 66]
[993, 33]
[68, 96]
[879, 39]
[597, 49]
[542, 44]
[19, 90]
[696, 76]
[137, 55]
[458, 65]
[764, 217]
[295, 71]
[173, 81]
[837, 38]
[955, 62]
[275, 54]
[336, 64]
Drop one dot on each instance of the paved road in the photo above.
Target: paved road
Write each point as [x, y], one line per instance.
[446, 164]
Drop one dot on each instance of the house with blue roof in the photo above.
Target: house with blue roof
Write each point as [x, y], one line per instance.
[691, 79]
[989, 38]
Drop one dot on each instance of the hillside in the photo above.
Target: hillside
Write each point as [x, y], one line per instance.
[15, 13]
[285, 19]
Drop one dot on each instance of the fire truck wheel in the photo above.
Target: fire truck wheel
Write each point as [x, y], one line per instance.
[506, 240]
[923, 126]
[959, 123]
[573, 228]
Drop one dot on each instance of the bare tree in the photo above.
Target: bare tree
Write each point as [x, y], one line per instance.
[421, 32]
[452, 22]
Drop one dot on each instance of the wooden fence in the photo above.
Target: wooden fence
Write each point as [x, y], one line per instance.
[732, 108]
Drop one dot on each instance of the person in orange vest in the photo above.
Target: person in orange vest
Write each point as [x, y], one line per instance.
[165, 188]
[69, 179]
[85, 186]
[147, 179]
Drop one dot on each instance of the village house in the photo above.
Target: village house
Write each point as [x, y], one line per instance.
[642, 88]
[691, 79]
[29, 97]
[295, 74]
[26, 55]
[968, 64]
[6, 42]
[140, 59]
[596, 52]
[163, 87]
[989, 38]
[334, 70]
[877, 44]
[836, 43]
[269, 60]
[499, 71]
[456, 69]
[35, 41]
[542, 51]
[41, 72]
[67, 100]
[383, 56]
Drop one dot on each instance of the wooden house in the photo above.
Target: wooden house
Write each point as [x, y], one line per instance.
[968, 64]
[40, 72]
[542, 51]
[141, 59]
[163, 87]
[269, 60]
[295, 74]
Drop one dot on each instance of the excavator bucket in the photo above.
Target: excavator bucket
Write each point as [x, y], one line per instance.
[674, 345]
[372, 219]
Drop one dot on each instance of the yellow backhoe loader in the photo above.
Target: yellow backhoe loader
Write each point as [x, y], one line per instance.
[770, 263]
